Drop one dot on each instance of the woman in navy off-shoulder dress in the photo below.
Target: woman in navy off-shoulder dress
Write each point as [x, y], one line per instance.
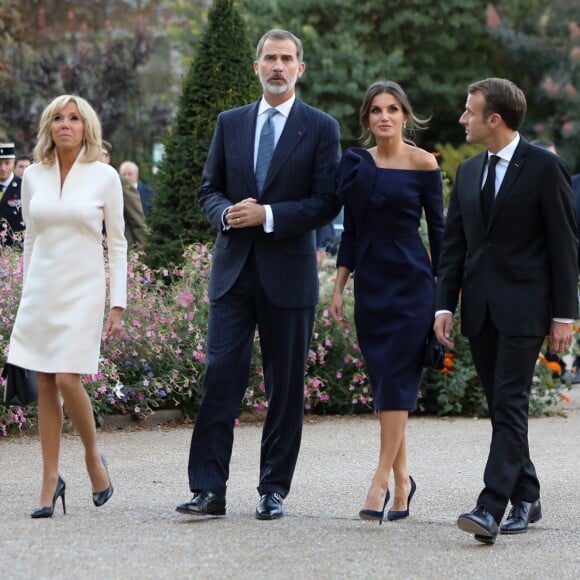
[384, 190]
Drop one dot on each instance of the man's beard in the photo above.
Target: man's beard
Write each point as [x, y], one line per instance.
[275, 88]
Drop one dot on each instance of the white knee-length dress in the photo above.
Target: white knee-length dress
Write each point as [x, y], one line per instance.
[59, 322]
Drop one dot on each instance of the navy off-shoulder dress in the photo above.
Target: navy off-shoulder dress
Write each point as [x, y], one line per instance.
[394, 286]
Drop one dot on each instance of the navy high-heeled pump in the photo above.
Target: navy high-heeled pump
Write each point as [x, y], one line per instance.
[374, 514]
[47, 512]
[399, 515]
[102, 497]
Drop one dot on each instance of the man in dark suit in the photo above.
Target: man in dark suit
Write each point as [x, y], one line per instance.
[511, 247]
[11, 221]
[264, 271]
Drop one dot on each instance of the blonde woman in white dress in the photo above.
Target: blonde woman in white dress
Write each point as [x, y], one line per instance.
[67, 194]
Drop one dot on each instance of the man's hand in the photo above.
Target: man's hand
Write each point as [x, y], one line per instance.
[560, 337]
[442, 328]
[246, 214]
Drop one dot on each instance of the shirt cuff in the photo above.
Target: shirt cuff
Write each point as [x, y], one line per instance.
[438, 312]
[225, 225]
[269, 223]
[564, 320]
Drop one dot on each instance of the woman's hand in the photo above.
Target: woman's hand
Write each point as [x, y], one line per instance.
[114, 324]
[336, 308]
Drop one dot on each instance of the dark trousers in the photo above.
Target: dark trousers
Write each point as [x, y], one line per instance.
[285, 336]
[506, 366]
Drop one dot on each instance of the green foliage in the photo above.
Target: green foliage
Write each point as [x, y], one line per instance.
[433, 49]
[541, 43]
[221, 77]
[456, 389]
[548, 386]
[449, 158]
[51, 49]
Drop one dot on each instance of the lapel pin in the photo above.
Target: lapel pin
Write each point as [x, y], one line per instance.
[516, 164]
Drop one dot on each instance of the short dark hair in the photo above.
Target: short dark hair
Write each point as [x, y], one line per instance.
[392, 88]
[502, 97]
[278, 34]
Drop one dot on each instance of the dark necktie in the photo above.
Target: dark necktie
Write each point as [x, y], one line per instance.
[265, 150]
[488, 190]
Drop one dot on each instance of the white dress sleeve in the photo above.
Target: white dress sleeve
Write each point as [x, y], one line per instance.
[116, 242]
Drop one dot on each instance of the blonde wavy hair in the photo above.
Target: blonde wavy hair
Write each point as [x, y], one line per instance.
[45, 150]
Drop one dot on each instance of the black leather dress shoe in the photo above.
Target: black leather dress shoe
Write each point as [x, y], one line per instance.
[270, 506]
[204, 503]
[480, 523]
[522, 514]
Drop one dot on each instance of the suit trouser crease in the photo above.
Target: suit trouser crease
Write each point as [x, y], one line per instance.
[506, 366]
[284, 338]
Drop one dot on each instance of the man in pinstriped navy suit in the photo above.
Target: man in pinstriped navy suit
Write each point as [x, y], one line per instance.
[264, 272]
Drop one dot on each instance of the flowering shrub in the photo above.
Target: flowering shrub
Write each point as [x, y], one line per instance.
[158, 362]
[455, 389]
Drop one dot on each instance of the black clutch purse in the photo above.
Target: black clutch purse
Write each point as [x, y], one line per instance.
[20, 389]
[434, 353]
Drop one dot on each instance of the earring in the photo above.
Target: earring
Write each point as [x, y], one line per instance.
[405, 124]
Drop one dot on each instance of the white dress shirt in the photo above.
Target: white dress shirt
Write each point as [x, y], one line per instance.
[279, 122]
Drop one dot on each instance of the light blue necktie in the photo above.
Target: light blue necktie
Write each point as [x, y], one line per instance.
[265, 150]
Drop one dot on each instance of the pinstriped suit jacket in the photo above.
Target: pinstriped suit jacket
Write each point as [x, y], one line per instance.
[300, 188]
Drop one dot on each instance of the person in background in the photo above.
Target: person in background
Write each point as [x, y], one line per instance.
[547, 145]
[11, 221]
[67, 195]
[384, 190]
[269, 181]
[326, 242]
[130, 171]
[510, 248]
[22, 162]
[133, 214]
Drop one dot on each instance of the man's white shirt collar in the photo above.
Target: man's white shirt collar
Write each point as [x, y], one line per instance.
[508, 151]
[283, 109]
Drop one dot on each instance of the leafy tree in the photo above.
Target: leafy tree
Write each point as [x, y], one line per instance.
[433, 49]
[71, 47]
[221, 77]
[542, 44]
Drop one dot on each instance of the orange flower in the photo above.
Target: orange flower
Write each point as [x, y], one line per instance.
[565, 398]
[448, 361]
[552, 365]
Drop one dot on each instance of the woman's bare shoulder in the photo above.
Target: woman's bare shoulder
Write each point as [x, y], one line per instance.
[422, 160]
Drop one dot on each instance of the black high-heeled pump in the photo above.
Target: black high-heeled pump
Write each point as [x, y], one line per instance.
[102, 497]
[399, 515]
[374, 514]
[46, 512]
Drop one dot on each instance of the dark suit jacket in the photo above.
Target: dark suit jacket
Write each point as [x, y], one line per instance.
[11, 210]
[146, 194]
[576, 188]
[300, 187]
[524, 265]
